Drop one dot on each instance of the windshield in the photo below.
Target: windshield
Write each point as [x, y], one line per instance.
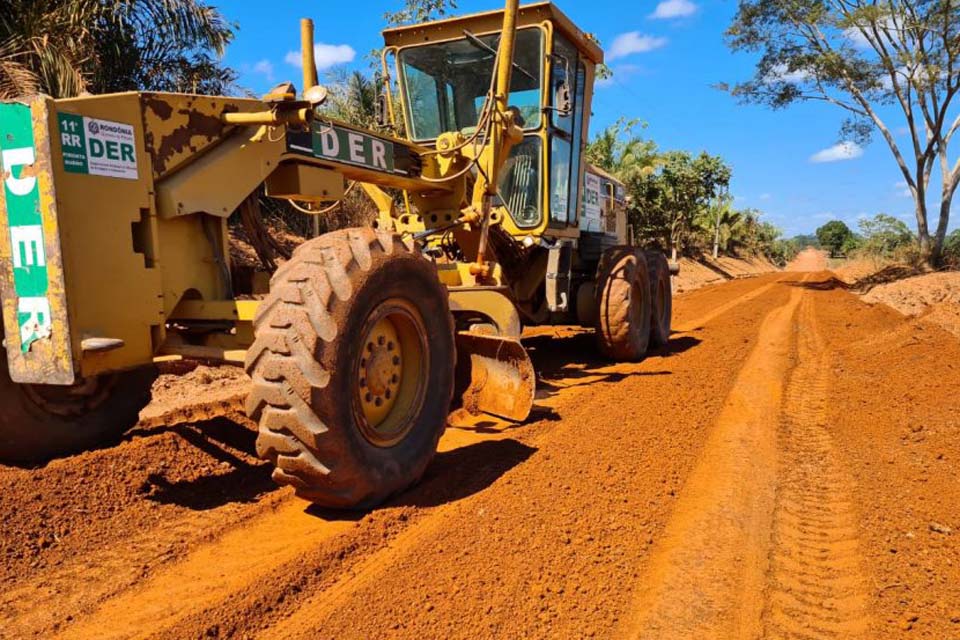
[445, 84]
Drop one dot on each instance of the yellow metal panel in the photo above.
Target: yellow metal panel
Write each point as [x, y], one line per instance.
[492, 21]
[113, 292]
[178, 127]
[239, 310]
[493, 304]
[303, 182]
[219, 180]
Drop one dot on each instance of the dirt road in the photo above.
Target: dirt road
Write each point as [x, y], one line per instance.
[786, 469]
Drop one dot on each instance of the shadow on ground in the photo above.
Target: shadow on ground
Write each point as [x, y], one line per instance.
[230, 447]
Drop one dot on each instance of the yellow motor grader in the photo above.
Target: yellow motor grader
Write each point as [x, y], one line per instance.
[116, 252]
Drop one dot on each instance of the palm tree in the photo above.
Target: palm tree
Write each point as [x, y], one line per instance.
[722, 222]
[66, 47]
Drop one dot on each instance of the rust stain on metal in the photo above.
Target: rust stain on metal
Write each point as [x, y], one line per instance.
[198, 125]
[162, 108]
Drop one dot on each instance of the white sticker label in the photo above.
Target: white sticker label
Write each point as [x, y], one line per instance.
[98, 147]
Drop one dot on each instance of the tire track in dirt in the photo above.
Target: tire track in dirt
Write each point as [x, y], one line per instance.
[255, 563]
[763, 541]
[817, 591]
[707, 577]
[691, 325]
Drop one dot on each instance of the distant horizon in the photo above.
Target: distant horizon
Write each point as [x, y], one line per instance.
[667, 58]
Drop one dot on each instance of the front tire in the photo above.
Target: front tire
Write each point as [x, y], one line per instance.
[623, 304]
[352, 368]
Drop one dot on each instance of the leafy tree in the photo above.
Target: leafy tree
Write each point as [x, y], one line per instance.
[883, 235]
[834, 236]
[618, 150]
[666, 201]
[721, 222]
[66, 47]
[352, 98]
[864, 56]
[415, 11]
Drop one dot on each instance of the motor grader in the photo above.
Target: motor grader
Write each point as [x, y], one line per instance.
[488, 220]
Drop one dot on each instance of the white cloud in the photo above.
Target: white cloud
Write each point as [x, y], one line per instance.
[903, 189]
[264, 68]
[674, 9]
[765, 196]
[633, 42]
[780, 73]
[856, 38]
[326, 55]
[838, 152]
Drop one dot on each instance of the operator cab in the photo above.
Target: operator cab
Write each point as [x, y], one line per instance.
[445, 70]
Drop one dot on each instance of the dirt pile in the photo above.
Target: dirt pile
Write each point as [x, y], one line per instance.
[703, 271]
[934, 296]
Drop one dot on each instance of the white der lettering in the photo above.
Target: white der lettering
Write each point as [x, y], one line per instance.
[356, 148]
[19, 158]
[38, 325]
[379, 154]
[329, 143]
[27, 246]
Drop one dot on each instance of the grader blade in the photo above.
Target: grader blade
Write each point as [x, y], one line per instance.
[495, 375]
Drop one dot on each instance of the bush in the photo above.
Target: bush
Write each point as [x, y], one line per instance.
[951, 250]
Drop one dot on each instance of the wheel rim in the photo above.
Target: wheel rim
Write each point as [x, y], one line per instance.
[390, 373]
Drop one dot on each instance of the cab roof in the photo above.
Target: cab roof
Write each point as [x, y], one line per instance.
[492, 21]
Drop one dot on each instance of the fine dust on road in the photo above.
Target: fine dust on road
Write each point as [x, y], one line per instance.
[785, 469]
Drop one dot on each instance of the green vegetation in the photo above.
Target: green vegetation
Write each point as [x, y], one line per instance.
[836, 237]
[874, 61]
[886, 237]
[681, 202]
[951, 250]
[65, 47]
[883, 238]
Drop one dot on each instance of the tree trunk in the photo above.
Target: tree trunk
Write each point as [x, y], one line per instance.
[923, 232]
[936, 249]
[935, 260]
[716, 240]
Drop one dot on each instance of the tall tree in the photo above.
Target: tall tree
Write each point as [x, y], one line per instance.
[65, 47]
[620, 151]
[864, 56]
[666, 201]
[834, 236]
[415, 11]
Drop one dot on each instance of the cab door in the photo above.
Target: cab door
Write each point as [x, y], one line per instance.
[566, 134]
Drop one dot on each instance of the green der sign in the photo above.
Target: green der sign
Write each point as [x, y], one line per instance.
[352, 147]
[97, 147]
[22, 198]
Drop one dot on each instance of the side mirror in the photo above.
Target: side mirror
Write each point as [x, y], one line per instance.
[380, 111]
[562, 100]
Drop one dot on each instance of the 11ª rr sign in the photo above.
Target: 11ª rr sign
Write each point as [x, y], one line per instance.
[98, 147]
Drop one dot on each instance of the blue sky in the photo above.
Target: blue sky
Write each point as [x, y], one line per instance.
[666, 56]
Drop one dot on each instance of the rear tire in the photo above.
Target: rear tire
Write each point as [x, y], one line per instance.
[623, 304]
[346, 420]
[661, 299]
[41, 422]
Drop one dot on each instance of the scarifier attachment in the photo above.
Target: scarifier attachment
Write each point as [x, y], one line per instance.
[495, 376]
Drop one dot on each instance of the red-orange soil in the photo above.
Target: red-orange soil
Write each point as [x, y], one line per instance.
[787, 468]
